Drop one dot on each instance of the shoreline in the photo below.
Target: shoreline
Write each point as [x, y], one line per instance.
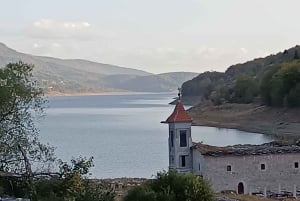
[227, 126]
[59, 94]
[278, 122]
[235, 127]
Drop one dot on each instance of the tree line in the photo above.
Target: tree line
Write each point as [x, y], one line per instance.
[272, 81]
[278, 87]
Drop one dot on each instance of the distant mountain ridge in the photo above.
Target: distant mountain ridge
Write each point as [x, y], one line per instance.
[77, 75]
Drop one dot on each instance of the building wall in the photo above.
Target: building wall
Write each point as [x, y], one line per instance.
[198, 163]
[176, 151]
[279, 172]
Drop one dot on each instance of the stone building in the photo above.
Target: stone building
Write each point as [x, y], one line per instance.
[246, 169]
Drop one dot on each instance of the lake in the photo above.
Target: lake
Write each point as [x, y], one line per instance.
[123, 132]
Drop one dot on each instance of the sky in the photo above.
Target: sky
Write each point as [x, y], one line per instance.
[152, 35]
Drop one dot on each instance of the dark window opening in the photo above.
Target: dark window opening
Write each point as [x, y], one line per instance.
[199, 167]
[228, 168]
[171, 160]
[172, 138]
[296, 165]
[183, 141]
[182, 161]
[262, 166]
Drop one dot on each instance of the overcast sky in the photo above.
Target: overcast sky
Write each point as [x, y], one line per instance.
[152, 35]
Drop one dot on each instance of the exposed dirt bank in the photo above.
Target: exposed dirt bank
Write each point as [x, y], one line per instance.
[249, 117]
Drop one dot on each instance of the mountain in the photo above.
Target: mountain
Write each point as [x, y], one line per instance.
[153, 83]
[76, 75]
[260, 96]
[274, 76]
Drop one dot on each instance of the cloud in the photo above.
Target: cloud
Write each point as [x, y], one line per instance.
[49, 24]
[56, 45]
[244, 50]
[72, 30]
[36, 45]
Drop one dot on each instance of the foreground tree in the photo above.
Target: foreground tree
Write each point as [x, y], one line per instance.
[21, 105]
[26, 164]
[172, 186]
[73, 184]
[76, 185]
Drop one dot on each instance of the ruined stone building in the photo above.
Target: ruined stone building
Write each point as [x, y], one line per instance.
[246, 169]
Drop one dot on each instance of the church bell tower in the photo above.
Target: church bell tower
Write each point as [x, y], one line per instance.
[180, 140]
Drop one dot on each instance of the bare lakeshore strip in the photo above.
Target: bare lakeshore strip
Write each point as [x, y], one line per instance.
[282, 122]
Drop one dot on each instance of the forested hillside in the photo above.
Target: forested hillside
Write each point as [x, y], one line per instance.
[273, 80]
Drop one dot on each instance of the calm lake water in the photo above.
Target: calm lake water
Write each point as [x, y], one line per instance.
[123, 132]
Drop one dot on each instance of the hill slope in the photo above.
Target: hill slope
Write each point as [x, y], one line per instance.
[262, 95]
[228, 86]
[76, 75]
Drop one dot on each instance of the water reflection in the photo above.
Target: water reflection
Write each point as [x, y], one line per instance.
[224, 137]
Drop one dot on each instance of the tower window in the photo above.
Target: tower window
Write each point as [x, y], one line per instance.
[183, 141]
[172, 138]
[296, 165]
[228, 168]
[171, 160]
[262, 166]
[183, 162]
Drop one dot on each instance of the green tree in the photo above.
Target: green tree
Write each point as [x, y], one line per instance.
[296, 56]
[172, 186]
[21, 106]
[73, 175]
[24, 158]
[141, 193]
[277, 91]
[265, 84]
[77, 187]
[245, 90]
[96, 192]
[279, 86]
[293, 98]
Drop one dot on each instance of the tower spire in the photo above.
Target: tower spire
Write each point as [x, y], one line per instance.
[179, 93]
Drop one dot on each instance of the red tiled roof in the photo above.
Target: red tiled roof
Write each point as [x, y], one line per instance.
[179, 115]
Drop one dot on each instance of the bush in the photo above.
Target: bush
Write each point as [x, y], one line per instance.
[172, 186]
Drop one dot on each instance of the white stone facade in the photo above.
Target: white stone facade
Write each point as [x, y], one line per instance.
[281, 172]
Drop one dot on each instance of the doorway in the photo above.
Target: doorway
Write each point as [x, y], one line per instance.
[240, 188]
